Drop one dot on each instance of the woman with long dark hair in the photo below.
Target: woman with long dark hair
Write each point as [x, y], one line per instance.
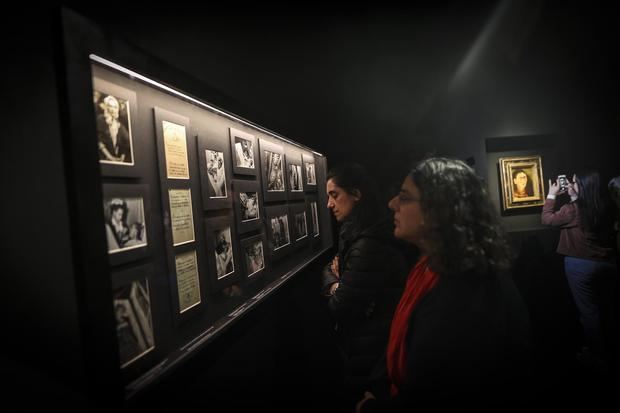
[460, 333]
[364, 280]
[586, 241]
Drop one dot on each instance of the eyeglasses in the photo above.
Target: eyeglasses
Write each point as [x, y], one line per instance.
[406, 199]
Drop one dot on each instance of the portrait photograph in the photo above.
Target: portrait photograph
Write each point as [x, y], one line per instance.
[301, 229]
[113, 120]
[275, 176]
[216, 173]
[134, 325]
[215, 167]
[280, 231]
[225, 264]
[254, 257]
[522, 182]
[295, 178]
[309, 171]
[244, 152]
[310, 174]
[113, 130]
[315, 219]
[249, 206]
[124, 223]
[274, 171]
[224, 260]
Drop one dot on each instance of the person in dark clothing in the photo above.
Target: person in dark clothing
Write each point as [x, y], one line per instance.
[587, 243]
[364, 280]
[460, 334]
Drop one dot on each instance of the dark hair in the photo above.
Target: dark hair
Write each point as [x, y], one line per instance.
[594, 208]
[461, 224]
[352, 177]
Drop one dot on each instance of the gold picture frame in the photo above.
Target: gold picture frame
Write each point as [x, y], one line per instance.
[522, 181]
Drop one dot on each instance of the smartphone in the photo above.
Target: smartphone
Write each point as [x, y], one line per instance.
[563, 182]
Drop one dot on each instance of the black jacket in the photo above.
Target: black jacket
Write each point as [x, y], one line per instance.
[373, 268]
[468, 345]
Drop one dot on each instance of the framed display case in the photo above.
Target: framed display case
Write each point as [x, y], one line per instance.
[172, 247]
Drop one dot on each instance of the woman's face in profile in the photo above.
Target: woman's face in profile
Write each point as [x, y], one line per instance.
[408, 214]
[339, 201]
[117, 214]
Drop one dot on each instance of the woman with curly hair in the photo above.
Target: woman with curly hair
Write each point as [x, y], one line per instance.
[460, 333]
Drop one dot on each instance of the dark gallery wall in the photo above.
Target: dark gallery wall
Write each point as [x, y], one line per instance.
[384, 86]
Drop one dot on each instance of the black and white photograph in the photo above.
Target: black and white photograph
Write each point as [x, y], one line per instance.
[113, 117]
[225, 264]
[249, 206]
[134, 325]
[315, 219]
[216, 173]
[301, 228]
[244, 152]
[295, 178]
[124, 223]
[310, 174]
[280, 231]
[215, 167]
[275, 175]
[273, 171]
[254, 257]
[224, 260]
[309, 170]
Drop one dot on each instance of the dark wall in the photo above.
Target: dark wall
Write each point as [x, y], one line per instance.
[38, 294]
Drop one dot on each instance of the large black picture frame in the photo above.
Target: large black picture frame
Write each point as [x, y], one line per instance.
[309, 172]
[127, 245]
[220, 277]
[279, 234]
[299, 224]
[210, 200]
[133, 311]
[295, 175]
[245, 224]
[314, 219]
[127, 101]
[273, 171]
[248, 248]
[239, 157]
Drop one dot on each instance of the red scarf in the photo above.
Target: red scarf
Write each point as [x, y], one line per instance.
[420, 280]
